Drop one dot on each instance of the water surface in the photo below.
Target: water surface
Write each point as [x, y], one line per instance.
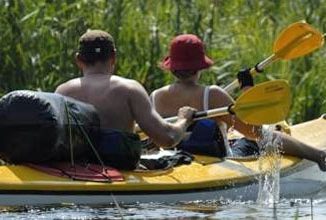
[284, 209]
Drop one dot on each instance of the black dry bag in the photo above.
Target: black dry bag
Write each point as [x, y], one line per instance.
[39, 126]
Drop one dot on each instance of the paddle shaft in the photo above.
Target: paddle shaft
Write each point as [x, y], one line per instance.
[260, 66]
[199, 115]
[204, 114]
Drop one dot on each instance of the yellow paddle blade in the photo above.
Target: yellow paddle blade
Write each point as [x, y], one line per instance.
[265, 103]
[297, 40]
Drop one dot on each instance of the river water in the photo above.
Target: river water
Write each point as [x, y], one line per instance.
[284, 209]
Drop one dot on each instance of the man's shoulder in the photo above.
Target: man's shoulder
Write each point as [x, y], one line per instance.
[124, 84]
[68, 85]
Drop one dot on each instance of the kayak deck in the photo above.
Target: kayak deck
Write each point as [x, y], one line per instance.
[185, 177]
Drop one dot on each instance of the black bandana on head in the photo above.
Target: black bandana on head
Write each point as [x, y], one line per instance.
[98, 46]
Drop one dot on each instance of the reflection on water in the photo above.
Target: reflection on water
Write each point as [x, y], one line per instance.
[285, 209]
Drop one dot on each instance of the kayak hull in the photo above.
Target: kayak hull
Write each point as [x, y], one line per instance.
[289, 188]
[205, 179]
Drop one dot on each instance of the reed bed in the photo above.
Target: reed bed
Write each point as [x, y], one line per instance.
[38, 41]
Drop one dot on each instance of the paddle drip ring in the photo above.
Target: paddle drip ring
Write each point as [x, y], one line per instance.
[257, 69]
[230, 109]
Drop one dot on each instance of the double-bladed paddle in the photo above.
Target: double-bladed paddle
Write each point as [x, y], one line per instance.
[265, 103]
[296, 40]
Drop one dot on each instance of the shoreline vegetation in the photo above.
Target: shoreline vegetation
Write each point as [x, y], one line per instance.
[38, 41]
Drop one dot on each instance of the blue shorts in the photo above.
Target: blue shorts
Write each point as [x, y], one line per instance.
[120, 149]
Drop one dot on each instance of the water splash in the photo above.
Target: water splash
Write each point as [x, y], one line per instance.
[269, 166]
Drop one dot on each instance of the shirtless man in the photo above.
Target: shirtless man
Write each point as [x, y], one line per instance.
[185, 60]
[120, 102]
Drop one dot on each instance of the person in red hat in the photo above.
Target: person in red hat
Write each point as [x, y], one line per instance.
[185, 61]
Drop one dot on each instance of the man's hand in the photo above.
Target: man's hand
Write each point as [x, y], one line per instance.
[245, 78]
[187, 113]
[178, 129]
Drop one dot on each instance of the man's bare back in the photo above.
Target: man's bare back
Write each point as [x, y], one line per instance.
[109, 94]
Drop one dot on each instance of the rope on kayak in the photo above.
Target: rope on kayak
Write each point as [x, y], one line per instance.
[82, 130]
[89, 141]
[70, 136]
[117, 205]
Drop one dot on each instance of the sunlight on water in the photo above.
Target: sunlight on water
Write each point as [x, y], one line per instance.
[214, 209]
[269, 163]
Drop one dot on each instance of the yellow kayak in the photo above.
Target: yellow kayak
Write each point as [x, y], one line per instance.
[205, 178]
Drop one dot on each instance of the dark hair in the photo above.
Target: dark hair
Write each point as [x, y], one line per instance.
[95, 46]
[183, 74]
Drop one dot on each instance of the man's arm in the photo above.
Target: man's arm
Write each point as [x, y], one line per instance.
[163, 133]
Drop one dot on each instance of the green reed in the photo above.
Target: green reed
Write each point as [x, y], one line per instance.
[38, 41]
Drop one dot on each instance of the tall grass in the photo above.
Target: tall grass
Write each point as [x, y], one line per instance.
[39, 38]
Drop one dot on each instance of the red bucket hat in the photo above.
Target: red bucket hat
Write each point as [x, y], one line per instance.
[186, 53]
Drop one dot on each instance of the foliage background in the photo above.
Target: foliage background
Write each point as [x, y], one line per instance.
[38, 41]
